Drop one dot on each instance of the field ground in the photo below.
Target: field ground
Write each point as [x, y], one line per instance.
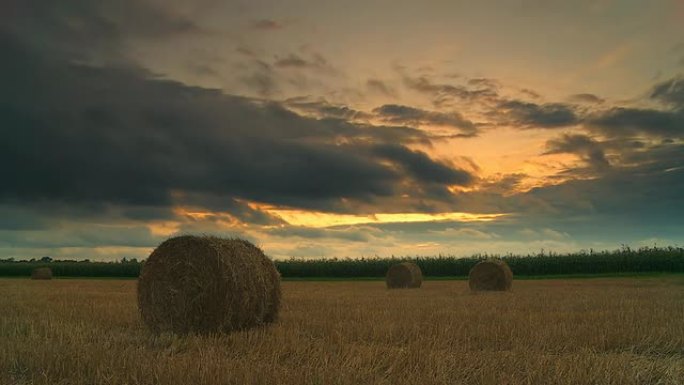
[635, 275]
[598, 331]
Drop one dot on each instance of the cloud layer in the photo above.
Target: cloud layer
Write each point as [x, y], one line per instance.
[113, 141]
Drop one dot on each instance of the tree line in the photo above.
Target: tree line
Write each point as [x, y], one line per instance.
[623, 260]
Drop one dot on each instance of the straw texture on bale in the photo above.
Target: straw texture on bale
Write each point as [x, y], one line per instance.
[490, 275]
[405, 275]
[193, 284]
[41, 273]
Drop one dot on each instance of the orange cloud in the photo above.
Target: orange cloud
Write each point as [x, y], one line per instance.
[321, 219]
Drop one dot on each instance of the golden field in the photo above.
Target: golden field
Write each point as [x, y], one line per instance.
[582, 331]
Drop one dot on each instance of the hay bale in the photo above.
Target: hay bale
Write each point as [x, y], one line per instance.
[490, 275]
[193, 284]
[405, 275]
[42, 273]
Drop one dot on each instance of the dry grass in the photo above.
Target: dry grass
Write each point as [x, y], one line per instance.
[608, 331]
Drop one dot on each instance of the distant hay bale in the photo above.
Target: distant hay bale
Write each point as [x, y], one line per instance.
[193, 284]
[42, 273]
[405, 275]
[490, 275]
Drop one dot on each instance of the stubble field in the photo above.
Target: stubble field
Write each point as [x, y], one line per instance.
[583, 331]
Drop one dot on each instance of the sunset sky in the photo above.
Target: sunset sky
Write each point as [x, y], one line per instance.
[341, 129]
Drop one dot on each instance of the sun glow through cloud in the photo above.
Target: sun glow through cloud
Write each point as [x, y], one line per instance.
[320, 219]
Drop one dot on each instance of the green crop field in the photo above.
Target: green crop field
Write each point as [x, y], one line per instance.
[618, 262]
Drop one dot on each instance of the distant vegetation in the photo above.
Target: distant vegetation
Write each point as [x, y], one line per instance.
[624, 260]
[68, 268]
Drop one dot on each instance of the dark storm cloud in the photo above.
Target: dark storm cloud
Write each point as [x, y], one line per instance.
[44, 214]
[200, 69]
[139, 18]
[293, 61]
[627, 122]
[640, 188]
[266, 24]
[484, 92]
[83, 28]
[263, 82]
[16, 218]
[348, 233]
[246, 51]
[57, 236]
[533, 115]
[400, 114]
[316, 62]
[220, 204]
[637, 197]
[323, 109]
[586, 98]
[528, 92]
[421, 167]
[588, 149]
[678, 51]
[631, 122]
[75, 133]
[138, 212]
[484, 82]
[259, 76]
[378, 86]
[442, 93]
[670, 92]
[646, 192]
[504, 185]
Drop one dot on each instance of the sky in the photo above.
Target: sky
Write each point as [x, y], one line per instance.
[341, 129]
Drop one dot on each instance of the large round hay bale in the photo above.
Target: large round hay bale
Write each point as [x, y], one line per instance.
[491, 275]
[193, 284]
[405, 275]
[42, 273]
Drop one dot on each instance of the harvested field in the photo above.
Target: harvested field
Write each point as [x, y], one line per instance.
[598, 331]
